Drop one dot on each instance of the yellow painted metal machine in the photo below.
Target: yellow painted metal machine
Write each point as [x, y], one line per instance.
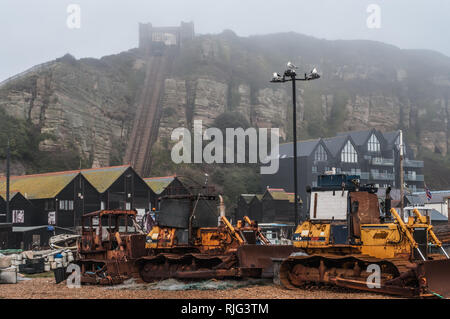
[209, 252]
[346, 243]
[223, 238]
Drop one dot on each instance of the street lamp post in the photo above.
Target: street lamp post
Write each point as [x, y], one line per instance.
[291, 75]
[9, 218]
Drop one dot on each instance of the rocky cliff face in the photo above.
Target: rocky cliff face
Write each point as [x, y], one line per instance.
[210, 100]
[89, 105]
[364, 84]
[86, 105]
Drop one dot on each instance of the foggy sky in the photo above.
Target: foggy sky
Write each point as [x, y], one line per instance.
[35, 31]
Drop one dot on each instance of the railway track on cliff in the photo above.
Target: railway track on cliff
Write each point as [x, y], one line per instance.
[145, 126]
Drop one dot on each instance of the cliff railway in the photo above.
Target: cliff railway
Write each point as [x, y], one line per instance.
[160, 46]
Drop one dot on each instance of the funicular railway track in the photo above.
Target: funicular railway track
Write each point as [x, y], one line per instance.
[146, 118]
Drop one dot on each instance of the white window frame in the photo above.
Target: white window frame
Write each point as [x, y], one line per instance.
[51, 218]
[373, 145]
[320, 154]
[16, 213]
[349, 154]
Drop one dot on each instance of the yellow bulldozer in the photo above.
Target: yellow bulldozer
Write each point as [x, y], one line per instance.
[347, 242]
[220, 251]
[113, 247]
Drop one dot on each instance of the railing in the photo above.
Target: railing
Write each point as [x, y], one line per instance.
[409, 177]
[362, 175]
[385, 176]
[412, 163]
[383, 161]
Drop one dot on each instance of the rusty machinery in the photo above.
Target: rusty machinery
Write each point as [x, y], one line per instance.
[113, 248]
[345, 240]
[220, 251]
[110, 243]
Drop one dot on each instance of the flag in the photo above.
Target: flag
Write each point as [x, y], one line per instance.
[428, 193]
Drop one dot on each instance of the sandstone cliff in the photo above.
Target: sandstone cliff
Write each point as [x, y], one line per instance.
[89, 104]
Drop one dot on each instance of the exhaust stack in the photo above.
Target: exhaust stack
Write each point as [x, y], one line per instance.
[221, 208]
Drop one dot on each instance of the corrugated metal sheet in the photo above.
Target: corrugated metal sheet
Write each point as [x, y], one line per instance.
[159, 184]
[330, 205]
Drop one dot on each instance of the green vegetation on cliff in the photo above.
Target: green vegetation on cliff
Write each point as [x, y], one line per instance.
[79, 112]
[24, 138]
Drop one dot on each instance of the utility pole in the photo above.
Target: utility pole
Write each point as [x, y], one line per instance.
[294, 117]
[401, 177]
[8, 158]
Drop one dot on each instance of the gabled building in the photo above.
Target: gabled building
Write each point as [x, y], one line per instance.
[167, 185]
[61, 198]
[119, 187]
[377, 162]
[274, 206]
[371, 154]
[313, 158]
[440, 201]
[21, 210]
[58, 199]
[255, 211]
[243, 206]
[345, 156]
[29, 228]
[278, 206]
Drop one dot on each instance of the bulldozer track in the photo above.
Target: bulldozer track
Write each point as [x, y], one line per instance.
[310, 272]
[145, 125]
[186, 266]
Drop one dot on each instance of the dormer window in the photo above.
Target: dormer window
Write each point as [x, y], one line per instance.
[320, 154]
[348, 154]
[373, 145]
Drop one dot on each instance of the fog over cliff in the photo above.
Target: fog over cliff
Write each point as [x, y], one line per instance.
[33, 32]
[76, 112]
